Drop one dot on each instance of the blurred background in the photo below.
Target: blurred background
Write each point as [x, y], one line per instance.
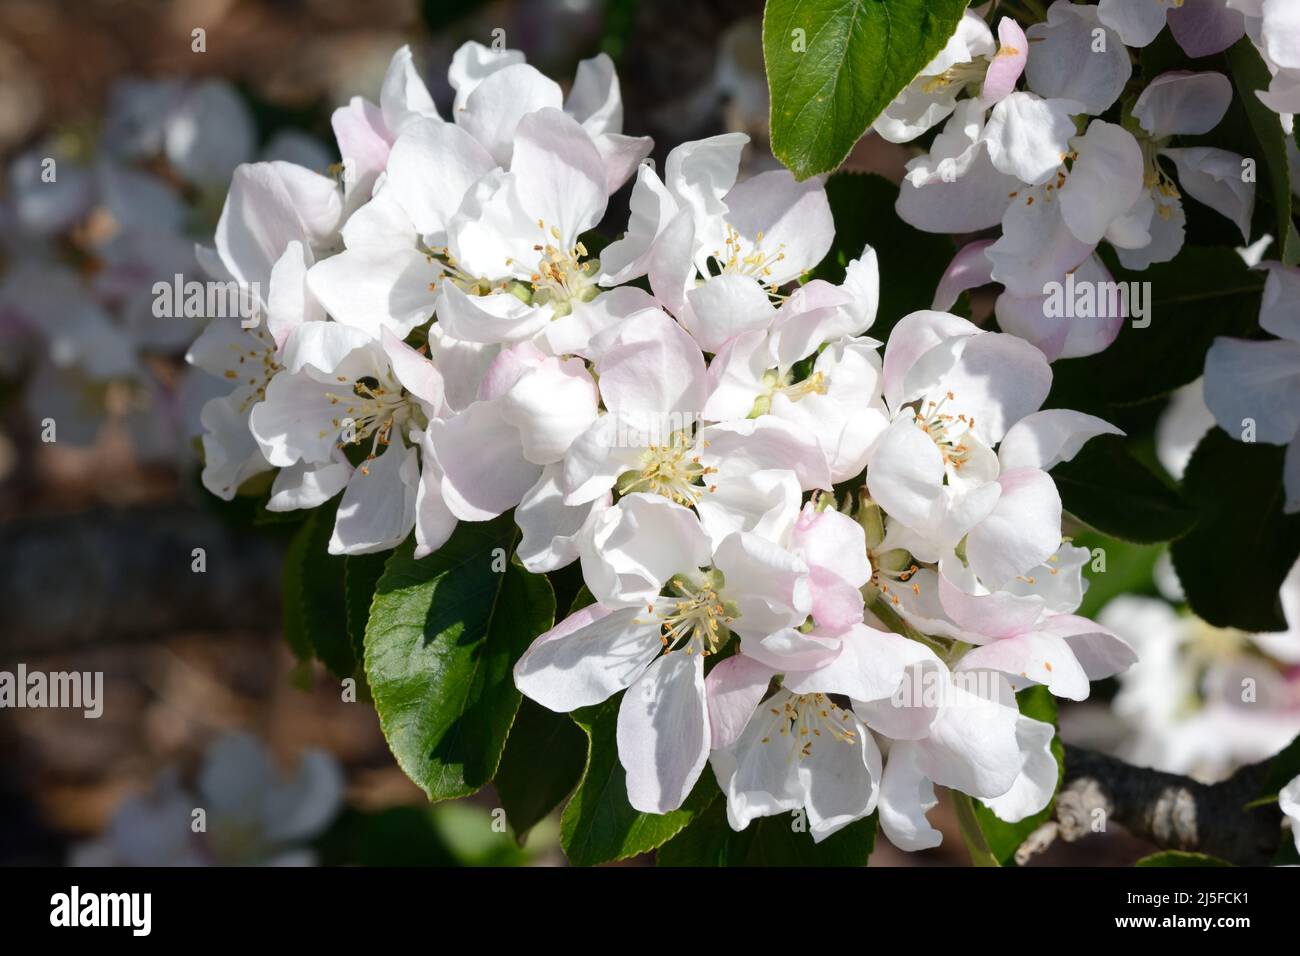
[110, 102]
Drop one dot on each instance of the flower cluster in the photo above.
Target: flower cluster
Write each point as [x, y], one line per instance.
[820, 569]
[1057, 178]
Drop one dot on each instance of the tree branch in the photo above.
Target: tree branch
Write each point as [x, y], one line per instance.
[105, 577]
[1173, 812]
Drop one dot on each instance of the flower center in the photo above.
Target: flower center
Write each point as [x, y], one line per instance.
[371, 411]
[563, 276]
[958, 76]
[696, 617]
[946, 431]
[739, 257]
[808, 719]
[672, 470]
[253, 364]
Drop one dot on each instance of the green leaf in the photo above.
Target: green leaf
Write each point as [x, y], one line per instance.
[830, 81]
[1249, 74]
[598, 824]
[1180, 858]
[315, 608]
[1233, 562]
[767, 841]
[1283, 768]
[1202, 294]
[443, 636]
[542, 763]
[1110, 490]
[911, 262]
[1003, 839]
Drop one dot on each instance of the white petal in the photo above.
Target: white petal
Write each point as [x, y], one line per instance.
[1214, 177]
[906, 796]
[1068, 61]
[1183, 103]
[497, 104]
[663, 732]
[378, 508]
[1029, 137]
[589, 656]
[1036, 783]
[1045, 439]
[1022, 531]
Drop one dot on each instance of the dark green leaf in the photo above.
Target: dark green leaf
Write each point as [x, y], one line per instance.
[443, 635]
[361, 574]
[911, 261]
[542, 763]
[1202, 294]
[834, 65]
[1283, 768]
[1110, 490]
[767, 841]
[598, 824]
[1180, 858]
[1233, 562]
[315, 608]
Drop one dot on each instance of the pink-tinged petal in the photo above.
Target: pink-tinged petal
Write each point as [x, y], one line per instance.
[1032, 659]
[757, 444]
[727, 306]
[377, 510]
[592, 654]
[1037, 246]
[993, 616]
[1137, 22]
[1022, 531]
[1100, 653]
[1183, 103]
[653, 368]
[1009, 62]
[912, 337]
[786, 221]
[1279, 312]
[630, 551]
[497, 317]
[370, 291]
[768, 585]
[906, 795]
[651, 208]
[1029, 137]
[559, 176]
[908, 713]
[663, 732]
[484, 471]
[1045, 439]
[840, 783]
[364, 140]
[831, 540]
[551, 406]
[403, 95]
[734, 688]
[969, 269]
[975, 200]
[836, 604]
[548, 527]
[1038, 777]
[736, 376]
[871, 666]
[432, 166]
[417, 374]
[789, 649]
[995, 380]
[1213, 177]
[595, 100]
[906, 473]
[434, 522]
[1205, 27]
[972, 744]
[1104, 182]
[495, 108]
[472, 63]
[622, 155]
[1255, 382]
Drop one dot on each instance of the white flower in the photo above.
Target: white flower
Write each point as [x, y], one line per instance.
[656, 650]
[1288, 799]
